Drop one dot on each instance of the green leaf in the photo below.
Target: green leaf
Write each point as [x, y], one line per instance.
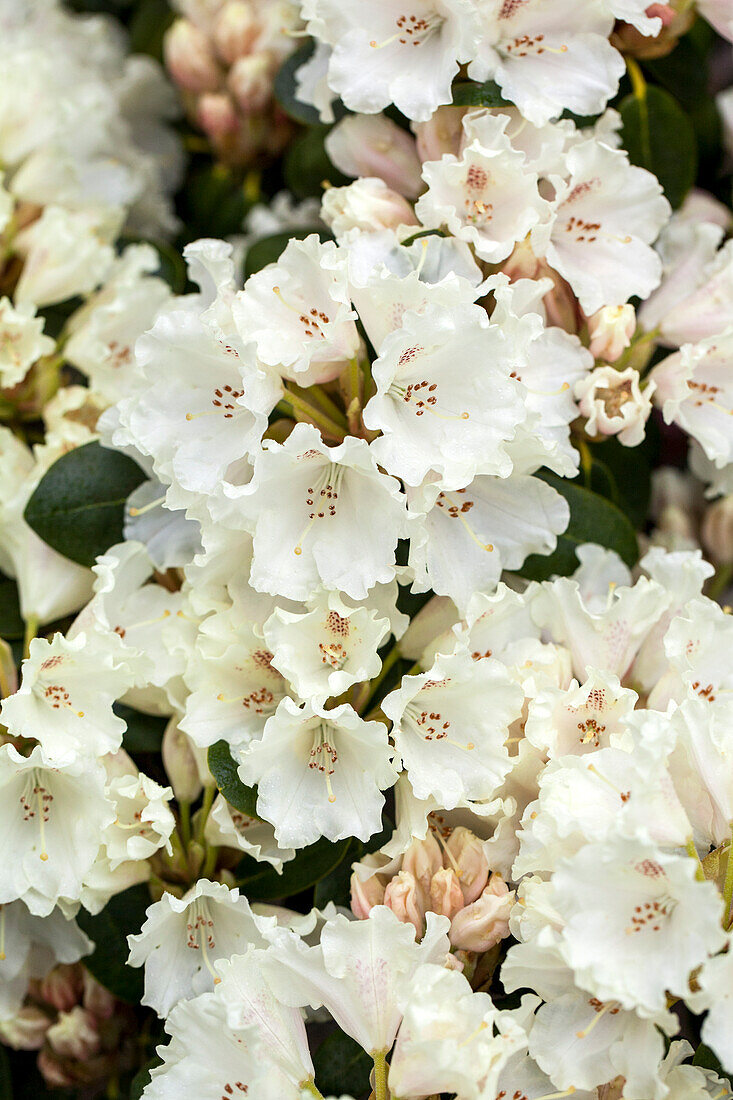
[683, 72]
[623, 475]
[341, 1065]
[470, 94]
[261, 882]
[122, 916]
[11, 620]
[148, 26]
[592, 519]
[142, 1078]
[336, 886]
[284, 87]
[659, 136]
[213, 202]
[267, 250]
[6, 1083]
[144, 732]
[705, 1059]
[307, 165]
[78, 506]
[224, 770]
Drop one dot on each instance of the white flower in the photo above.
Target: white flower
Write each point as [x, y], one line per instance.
[366, 206]
[30, 946]
[696, 646]
[468, 536]
[358, 971]
[606, 216]
[582, 718]
[65, 698]
[549, 57]
[229, 828]
[51, 819]
[22, 341]
[614, 404]
[182, 938]
[374, 145]
[326, 650]
[610, 331]
[628, 909]
[308, 504]
[171, 539]
[487, 196]
[401, 54]
[700, 770]
[144, 821]
[434, 417]
[319, 773]
[297, 312]
[450, 724]
[715, 993]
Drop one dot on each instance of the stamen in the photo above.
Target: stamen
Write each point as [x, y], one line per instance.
[323, 757]
[2, 933]
[482, 1027]
[623, 795]
[456, 511]
[146, 507]
[387, 41]
[599, 1013]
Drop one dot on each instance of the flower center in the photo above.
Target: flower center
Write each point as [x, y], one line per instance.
[320, 499]
[412, 30]
[323, 756]
[35, 802]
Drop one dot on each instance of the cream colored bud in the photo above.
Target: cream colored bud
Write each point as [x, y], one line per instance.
[610, 331]
[63, 987]
[74, 1035]
[717, 530]
[235, 30]
[365, 894]
[26, 1030]
[404, 897]
[250, 82]
[470, 862]
[446, 896]
[481, 925]
[190, 59]
[96, 999]
[180, 764]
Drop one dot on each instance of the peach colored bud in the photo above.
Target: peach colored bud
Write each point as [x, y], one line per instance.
[74, 1035]
[610, 330]
[423, 859]
[365, 894]
[373, 145]
[481, 925]
[180, 763]
[190, 59]
[26, 1030]
[235, 30]
[717, 530]
[403, 897]
[452, 962]
[662, 11]
[367, 205]
[52, 1070]
[470, 862]
[216, 115]
[442, 133]
[446, 897]
[560, 304]
[250, 82]
[63, 987]
[96, 999]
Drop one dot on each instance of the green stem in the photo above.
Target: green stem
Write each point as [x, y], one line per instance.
[184, 813]
[310, 1086]
[721, 580]
[203, 815]
[316, 395]
[389, 661]
[381, 1092]
[210, 862]
[692, 853]
[31, 630]
[728, 889]
[301, 410]
[638, 83]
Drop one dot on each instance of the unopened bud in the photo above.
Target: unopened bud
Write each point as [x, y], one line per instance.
[250, 82]
[74, 1035]
[469, 859]
[446, 897]
[403, 897]
[560, 304]
[717, 531]
[190, 59]
[365, 894]
[180, 764]
[614, 404]
[26, 1030]
[8, 671]
[632, 42]
[373, 145]
[610, 330]
[366, 205]
[96, 999]
[63, 987]
[235, 30]
[217, 115]
[423, 859]
[441, 134]
[481, 925]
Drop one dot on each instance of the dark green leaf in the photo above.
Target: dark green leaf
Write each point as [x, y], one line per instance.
[267, 250]
[78, 506]
[122, 916]
[6, 1084]
[592, 519]
[261, 882]
[683, 72]
[213, 203]
[470, 94]
[341, 1065]
[284, 87]
[171, 266]
[11, 621]
[144, 732]
[622, 474]
[148, 26]
[224, 770]
[336, 886]
[660, 137]
[307, 165]
[705, 1059]
[142, 1078]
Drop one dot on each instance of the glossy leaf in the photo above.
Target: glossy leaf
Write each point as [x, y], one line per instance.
[11, 621]
[123, 915]
[78, 506]
[224, 770]
[659, 136]
[307, 165]
[267, 250]
[470, 94]
[261, 882]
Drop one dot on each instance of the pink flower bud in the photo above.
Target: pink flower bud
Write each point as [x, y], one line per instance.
[365, 894]
[367, 205]
[661, 11]
[250, 82]
[190, 59]
[216, 115]
[446, 897]
[26, 1030]
[63, 987]
[180, 763]
[471, 864]
[235, 29]
[403, 897]
[74, 1035]
[96, 999]
[52, 1070]
[610, 330]
[442, 133]
[560, 304]
[423, 859]
[373, 145]
[481, 925]
[717, 530]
